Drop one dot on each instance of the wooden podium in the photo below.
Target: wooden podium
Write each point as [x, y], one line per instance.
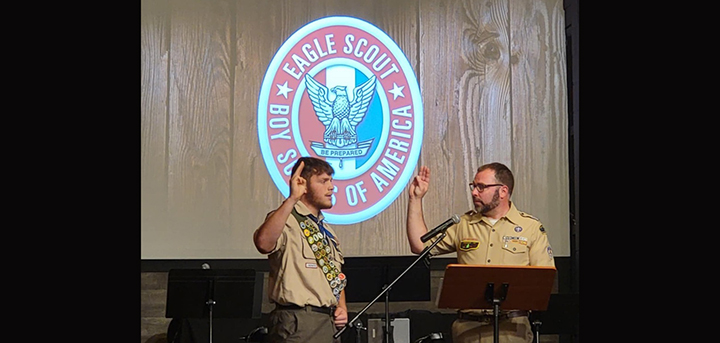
[496, 287]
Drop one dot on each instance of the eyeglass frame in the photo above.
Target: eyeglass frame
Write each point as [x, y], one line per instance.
[474, 186]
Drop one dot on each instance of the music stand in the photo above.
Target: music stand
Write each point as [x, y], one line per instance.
[214, 293]
[496, 287]
[370, 274]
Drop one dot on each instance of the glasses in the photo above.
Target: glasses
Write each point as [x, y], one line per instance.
[481, 186]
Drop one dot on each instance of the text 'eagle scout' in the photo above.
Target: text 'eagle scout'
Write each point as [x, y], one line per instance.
[340, 89]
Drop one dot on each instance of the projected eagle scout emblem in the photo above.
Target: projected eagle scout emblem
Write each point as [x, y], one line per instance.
[340, 89]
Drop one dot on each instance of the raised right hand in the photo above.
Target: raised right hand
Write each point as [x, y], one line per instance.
[419, 184]
[298, 184]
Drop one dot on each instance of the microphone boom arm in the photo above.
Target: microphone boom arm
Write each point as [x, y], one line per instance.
[422, 255]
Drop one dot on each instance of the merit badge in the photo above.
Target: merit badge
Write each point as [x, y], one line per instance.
[306, 232]
[341, 276]
[340, 89]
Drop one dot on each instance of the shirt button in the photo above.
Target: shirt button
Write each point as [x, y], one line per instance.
[488, 261]
[491, 245]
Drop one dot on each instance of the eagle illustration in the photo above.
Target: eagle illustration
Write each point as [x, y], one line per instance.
[342, 115]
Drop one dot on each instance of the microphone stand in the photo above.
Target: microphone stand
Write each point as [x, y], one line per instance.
[388, 329]
[210, 302]
[424, 253]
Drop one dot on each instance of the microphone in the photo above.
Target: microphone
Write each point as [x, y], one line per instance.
[440, 228]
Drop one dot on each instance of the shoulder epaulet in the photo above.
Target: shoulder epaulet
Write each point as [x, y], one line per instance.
[528, 216]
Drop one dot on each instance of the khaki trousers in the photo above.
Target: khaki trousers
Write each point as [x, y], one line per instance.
[300, 326]
[513, 330]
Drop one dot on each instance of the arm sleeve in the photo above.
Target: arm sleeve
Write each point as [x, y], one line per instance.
[540, 252]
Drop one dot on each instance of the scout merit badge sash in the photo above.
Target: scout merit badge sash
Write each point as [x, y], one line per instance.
[320, 245]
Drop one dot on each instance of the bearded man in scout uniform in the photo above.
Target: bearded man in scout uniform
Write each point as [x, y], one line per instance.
[305, 281]
[495, 233]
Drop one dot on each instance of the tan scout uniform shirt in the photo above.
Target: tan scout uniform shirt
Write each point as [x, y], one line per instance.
[295, 277]
[515, 239]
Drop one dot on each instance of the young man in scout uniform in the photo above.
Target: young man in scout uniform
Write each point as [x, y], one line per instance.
[495, 233]
[305, 281]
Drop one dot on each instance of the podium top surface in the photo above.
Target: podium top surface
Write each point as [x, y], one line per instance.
[464, 286]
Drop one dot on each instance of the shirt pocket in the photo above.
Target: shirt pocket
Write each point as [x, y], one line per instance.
[307, 251]
[515, 253]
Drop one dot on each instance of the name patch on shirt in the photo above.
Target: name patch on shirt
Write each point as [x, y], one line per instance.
[311, 265]
[515, 239]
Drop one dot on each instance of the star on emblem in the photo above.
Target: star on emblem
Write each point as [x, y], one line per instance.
[396, 91]
[284, 89]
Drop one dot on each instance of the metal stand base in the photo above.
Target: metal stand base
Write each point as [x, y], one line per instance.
[490, 298]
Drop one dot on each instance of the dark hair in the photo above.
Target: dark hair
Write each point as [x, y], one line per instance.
[502, 174]
[313, 166]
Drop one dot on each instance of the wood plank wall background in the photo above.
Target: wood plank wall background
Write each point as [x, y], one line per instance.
[493, 82]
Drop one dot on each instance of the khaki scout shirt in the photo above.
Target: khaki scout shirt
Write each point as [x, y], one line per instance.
[516, 239]
[294, 276]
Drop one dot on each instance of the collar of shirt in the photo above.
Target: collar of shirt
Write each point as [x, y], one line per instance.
[303, 210]
[512, 215]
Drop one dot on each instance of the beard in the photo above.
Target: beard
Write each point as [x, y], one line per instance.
[319, 200]
[485, 208]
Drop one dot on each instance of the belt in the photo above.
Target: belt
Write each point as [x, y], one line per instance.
[308, 308]
[491, 317]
